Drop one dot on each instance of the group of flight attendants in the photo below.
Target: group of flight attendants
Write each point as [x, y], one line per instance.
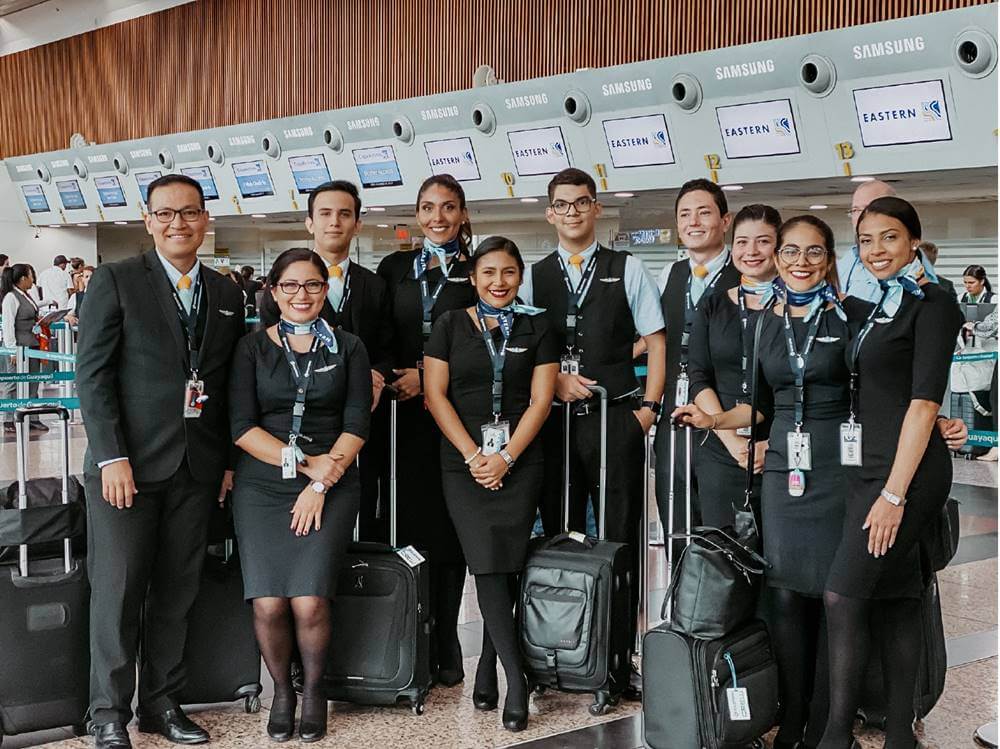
[475, 348]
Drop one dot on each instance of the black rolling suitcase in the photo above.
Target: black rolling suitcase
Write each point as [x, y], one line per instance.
[381, 618]
[574, 614]
[44, 608]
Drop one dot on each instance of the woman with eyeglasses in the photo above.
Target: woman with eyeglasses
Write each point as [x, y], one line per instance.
[490, 379]
[423, 284]
[721, 342]
[300, 401]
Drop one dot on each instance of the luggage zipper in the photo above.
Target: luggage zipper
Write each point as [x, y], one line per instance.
[705, 729]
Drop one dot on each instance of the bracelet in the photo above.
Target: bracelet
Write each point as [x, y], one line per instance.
[715, 422]
[472, 457]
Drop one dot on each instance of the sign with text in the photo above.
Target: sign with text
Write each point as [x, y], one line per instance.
[70, 195]
[539, 150]
[109, 190]
[203, 176]
[143, 179]
[309, 172]
[639, 141]
[253, 179]
[763, 128]
[377, 167]
[902, 113]
[454, 156]
[35, 198]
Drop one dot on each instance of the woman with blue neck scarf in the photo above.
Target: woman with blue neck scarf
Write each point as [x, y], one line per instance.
[423, 284]
[900, 360]
[490, 379]
[721, 339]
[300, 400]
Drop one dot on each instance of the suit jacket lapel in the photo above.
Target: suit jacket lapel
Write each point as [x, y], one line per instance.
[160, 286]
[209, 303]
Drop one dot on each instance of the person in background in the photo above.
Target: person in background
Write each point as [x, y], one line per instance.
[250, 287]
[56, 284]
[36, 291]
[978, 289]
[987, 329]
[19, 312]
[930, 251]
[4, 261]
[86, 273]
[855, 279]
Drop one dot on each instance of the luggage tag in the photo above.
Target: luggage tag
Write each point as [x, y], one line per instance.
[850, 443]
[739, 703]
[194, 398]
[569, 364]
[799, 451]
[411, 556]
[496, 434]
[744, 432]
[681, 393]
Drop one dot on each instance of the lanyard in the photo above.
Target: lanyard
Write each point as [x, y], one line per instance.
[744, 324]
[798, 361]
[575, 295]
[856, 351]
[689, 308]
[302, 381]
[189, 321]
[428, 299]
[497, 359]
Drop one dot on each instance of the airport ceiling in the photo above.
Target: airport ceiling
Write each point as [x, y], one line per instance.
[13, 6]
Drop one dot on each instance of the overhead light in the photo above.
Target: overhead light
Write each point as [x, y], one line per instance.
[383, 226]
[529, 200]
[732, 188]
[209, 232]
[818, 207]
[55, 226]
[83, 226]
[377, 209]
[121, 223]
[211, 218]
[624, 194]
[862, 179]
[258, 215]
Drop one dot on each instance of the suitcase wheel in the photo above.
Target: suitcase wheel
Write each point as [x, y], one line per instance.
[602, 704]
[251, 703]
[78, 729]
[418, 707]
[540, 689]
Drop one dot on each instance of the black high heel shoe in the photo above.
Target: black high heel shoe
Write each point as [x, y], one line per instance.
[312, 723]
[486, 694]
[515, 717]
[281, 723]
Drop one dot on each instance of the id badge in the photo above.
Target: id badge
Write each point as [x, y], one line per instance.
[496, 434]
[289, 469]
[569, 364]
[194, 398]
[796, 483]
[744, 431]
[850, 444]
[681, 393]
[799, 451]
[427, 327]
[739, 703]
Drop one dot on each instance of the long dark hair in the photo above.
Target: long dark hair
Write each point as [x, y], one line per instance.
[11, 276]
[978, 272]
[450, 183]
[828, 241]
[269, 312]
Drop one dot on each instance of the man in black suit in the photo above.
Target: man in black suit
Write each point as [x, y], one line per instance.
[152, 372]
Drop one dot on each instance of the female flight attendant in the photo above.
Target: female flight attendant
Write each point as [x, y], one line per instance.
[978, 289]
[422, 285]
[900, 361]
[490, 373]
[300, 401]
[721, 339]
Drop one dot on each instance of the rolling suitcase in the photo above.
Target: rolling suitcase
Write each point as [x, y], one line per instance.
[44, 608]
[574, 616]
[381, 618]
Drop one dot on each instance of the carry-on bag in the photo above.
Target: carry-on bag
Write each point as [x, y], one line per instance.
[44, 606]
[575, 616]
[381, 618]
[45, 503]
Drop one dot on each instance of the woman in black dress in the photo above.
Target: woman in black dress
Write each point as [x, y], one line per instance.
[297, 490]
[902, 357]
[423, 284]
[721, 339]
[491, 502]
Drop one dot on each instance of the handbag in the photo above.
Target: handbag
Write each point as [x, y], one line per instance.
[941, 542]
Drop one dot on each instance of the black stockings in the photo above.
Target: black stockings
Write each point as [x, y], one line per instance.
[447, 588]
[497, 606]
[273, 621]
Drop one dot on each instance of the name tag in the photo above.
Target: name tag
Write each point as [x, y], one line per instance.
[495, 436]
[850, 444]
[681, 393]
[799, 451]
[194, 398]
[411, 556]
[289, 468]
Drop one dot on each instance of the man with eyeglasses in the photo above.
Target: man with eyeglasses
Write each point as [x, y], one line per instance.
[854, 278]
[598, 301]
[152, 372]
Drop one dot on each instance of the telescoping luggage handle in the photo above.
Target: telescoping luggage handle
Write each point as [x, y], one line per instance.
[393, 420]
[20, 415]
[602, 470]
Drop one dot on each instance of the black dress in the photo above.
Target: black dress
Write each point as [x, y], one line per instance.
[275, 561]
[422, 517]
[715, 361]
[801, 533]
[905, 358]
[493, 526]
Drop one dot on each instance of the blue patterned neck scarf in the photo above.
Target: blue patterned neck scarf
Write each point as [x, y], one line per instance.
[505, 315]
[318, 327]
[815, 298]
[906, 280]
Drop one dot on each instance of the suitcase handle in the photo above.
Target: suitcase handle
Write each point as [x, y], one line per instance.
[567, 538]
[21, 414]
[602, 470]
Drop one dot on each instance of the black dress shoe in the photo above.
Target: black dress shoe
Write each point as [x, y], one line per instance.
[312, 723]
[633, 691]
[174, 726]
[111, 736]
[450, 677]
[515, 717]
[281, 723]
[485, 700]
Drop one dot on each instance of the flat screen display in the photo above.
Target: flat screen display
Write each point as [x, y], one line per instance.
[253, 179]
[902, 113]
[454, 156]
[70, 195]
[761, 128]
[309, 172]
[109, 190]
[203, 176]
[639, 141]
[143, 179]
[377, 167]
[35, 198]
[538, 151]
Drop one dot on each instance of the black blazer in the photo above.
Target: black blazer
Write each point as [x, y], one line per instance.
[132, 369]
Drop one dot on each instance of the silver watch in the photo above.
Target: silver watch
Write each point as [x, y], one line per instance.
[893, 499]
[507, 457]
[318, 486]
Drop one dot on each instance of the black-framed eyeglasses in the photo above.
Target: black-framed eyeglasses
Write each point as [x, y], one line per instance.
[312, 287]
[815, 255]
[188, 215]
[582, 205]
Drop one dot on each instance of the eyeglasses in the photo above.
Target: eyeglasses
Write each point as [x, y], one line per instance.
[791, 254]
[582, 205]
[189, 215]
[312, 287]
[854, 212]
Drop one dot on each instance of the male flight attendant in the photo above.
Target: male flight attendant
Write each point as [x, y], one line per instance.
[155, 347]
[598, 301]
[703, 218]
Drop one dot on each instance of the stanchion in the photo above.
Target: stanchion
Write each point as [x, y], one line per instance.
[986, 735]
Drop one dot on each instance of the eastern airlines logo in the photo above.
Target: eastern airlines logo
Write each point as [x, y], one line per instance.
[777, 126]
[783, 126]
[657, 139]
[553, 148]
[932, 110]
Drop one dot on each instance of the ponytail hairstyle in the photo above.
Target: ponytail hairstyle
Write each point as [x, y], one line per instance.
[450, 183]
[758, 212]
[497, 244]
[978, 272]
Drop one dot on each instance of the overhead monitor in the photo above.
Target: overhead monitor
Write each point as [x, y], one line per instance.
[454, 156]
[109, 190]
[70, 195]
[203, 176]
[639, 141]
[537, 151]
[902, 113]
[762, 128]
[377, 167]
[253, 179]
[143, 179]
[34, 197]
[309, 172]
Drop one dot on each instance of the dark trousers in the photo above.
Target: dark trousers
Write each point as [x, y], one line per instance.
[145, 565]
[373, 462]
[661, 446]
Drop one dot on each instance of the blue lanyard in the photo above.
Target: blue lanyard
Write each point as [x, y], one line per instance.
[575, 295]
[427, 298]
[797, 361]
[302, 382]
[497, 359]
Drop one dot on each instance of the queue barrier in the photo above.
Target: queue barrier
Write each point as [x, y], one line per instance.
[16, 403]
[979, 437]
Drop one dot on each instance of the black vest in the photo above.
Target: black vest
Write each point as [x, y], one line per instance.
[673, 302]
[605, 330]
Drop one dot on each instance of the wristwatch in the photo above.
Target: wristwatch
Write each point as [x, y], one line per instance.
[507, 457]
[318, 486]
[653, 406]
[893, 499]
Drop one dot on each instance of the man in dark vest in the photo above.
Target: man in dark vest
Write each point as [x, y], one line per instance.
[156, 342]
[703, 218]
[616, 302]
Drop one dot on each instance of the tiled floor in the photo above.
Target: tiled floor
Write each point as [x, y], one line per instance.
[969, 600]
